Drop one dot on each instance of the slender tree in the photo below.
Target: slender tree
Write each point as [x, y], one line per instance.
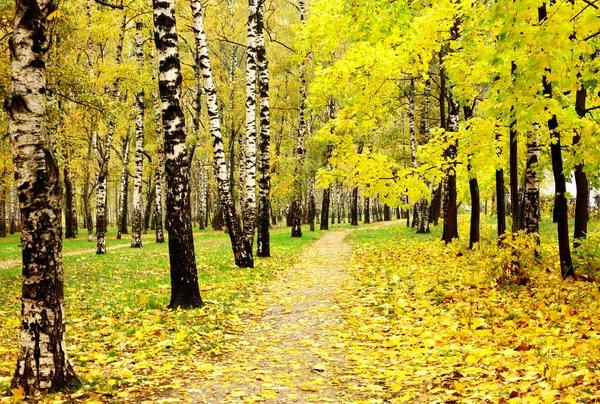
[185, 292]
[263, 243]
[160, 153]
[250, 132]
[136, 211]
[122, 212]
[242, 250]
[560, 187]
[581, 181]
[531, 209]
[296, 207]
[42, 364]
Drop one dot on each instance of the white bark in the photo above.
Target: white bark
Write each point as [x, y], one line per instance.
[136, 211]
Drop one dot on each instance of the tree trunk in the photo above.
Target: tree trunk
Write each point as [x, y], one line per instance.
[311, 207]
[531, 212]
[263, 243]
[514, 165]
[500, 200]
[367, 211]
[250, 137]
[300, 150]
[3, 203]
[103, 157]
[136, 210]
[422, 209]
[560, 188]
[149, 205]
[474, 231]
[354, 207]
[12, 218]
[581, 181]
[202, 205]
[450, 210]
[70, 220]
[160, 155]
[88, 190]
[122, 210]
[185, 292]
[242, 250]
[42, 364]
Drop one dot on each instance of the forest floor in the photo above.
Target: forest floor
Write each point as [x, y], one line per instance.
[375, 314]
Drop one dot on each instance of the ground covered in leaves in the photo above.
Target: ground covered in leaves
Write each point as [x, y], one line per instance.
[372, 315]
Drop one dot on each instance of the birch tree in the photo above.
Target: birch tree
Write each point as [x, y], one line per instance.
[296, 207]
[136, 211]
[242, 249]
[263, 244]
[185, 292]
[249, 171]
[158, 173]
[42, 363]
[122, 212]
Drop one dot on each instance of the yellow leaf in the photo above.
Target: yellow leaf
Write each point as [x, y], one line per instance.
[268, 394]
[18, 394]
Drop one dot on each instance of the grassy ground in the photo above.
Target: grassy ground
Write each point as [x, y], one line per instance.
[120, 337]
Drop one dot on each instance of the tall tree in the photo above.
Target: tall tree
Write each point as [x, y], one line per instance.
[263, 243]
[250, 137]
[42, 364]
[3, 202]
[160, 152]
[560, 186]
[242, 250]
[122, 210]
[103, 156]
[581, 180]
[531, 208]
[296, 207]
[136, 211]
[185, 292]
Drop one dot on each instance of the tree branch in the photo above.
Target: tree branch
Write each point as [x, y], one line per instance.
[109, 5]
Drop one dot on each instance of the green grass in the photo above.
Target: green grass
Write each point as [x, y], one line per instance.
[115, 304]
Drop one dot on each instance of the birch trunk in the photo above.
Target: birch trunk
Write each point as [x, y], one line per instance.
[242, 250]
[250, 132]
[88, 190]
[136, 211]
[531, 214]
[296, 208]
[3, 202]
[422, 206]
[12, 218]
[122, 212]
[160, 155]
[103, 157]
[185, 292]
[70, 220]
[42, 363]
[263, 243]
[203, 188]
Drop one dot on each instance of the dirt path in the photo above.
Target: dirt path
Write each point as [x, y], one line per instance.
[291, 352]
